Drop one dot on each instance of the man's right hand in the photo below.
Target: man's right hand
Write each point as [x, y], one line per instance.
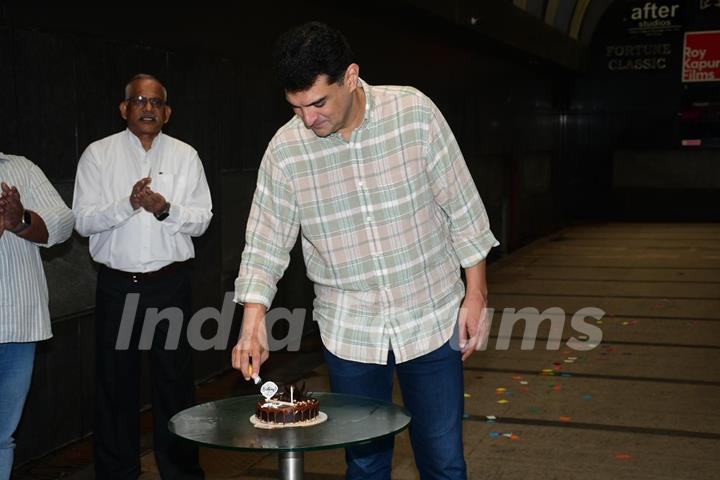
[11, 208]
[253, 342]
[139, 190]
[2, 220]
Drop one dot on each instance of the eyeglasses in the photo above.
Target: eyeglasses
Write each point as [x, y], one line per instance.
[141, 101]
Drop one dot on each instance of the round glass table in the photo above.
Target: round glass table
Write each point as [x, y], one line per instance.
[351, 420]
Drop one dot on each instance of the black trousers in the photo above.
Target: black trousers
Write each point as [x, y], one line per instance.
[117, 389]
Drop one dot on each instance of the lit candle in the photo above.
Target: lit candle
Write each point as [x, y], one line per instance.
[291, 394]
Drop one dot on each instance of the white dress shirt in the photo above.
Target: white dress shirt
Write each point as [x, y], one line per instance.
[134, 240]
[24, 314]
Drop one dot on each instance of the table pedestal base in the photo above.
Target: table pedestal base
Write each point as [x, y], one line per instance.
[291, 465]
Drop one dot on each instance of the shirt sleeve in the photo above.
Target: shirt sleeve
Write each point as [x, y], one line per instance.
[272, 230]
[42, 198]
[455, 192]
[192, 216]
[91, 218]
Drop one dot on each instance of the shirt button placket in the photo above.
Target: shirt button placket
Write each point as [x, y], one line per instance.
[145, 232]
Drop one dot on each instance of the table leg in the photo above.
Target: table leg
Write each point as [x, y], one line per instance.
[291, 465]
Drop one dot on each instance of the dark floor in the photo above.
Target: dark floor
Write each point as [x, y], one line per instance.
[640, 403]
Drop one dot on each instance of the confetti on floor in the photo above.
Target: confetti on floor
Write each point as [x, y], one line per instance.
[467, 395]
[503, 401]
[623, 456]
[510, 435]
[565, 418]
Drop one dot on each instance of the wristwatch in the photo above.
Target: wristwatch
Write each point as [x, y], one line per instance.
[24, 223]
[164, 213]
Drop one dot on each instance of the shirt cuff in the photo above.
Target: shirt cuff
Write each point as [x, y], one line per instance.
[125, 210]
[254, 290]
[173, 222]
[472, 251]
[59, 222]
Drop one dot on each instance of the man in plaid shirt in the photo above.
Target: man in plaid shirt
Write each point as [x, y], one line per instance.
[374, 181]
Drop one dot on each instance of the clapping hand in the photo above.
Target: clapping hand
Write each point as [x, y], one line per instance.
[143, 196]
[11, 208]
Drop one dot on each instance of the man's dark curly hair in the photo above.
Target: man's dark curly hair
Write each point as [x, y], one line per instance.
[309, 50]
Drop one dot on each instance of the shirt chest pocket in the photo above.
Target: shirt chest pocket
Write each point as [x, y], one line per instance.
[166, 184]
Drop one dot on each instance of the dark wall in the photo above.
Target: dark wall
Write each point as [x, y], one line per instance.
[631, 112]
[64, 71]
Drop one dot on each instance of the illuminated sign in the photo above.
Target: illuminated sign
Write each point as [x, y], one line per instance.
[701, 57]
[651, 18]
[645, 56]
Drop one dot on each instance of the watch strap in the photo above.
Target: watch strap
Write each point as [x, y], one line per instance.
[24, 224]
[164, 214]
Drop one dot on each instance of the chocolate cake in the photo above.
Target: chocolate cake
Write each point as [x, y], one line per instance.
[279, 409]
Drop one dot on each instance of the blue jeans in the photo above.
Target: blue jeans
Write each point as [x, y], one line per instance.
[16, 365]
[432, 390]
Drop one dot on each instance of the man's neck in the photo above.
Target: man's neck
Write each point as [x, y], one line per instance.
[357, 113]
[146, 140]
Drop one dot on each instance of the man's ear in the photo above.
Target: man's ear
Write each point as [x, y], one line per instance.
[352, 75]
[168, 112]
[123, 109]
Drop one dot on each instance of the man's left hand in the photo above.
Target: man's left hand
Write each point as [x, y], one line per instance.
[473, 324]
[11, 208]
[153, 202]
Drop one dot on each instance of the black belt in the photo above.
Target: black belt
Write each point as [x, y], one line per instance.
[138, 277]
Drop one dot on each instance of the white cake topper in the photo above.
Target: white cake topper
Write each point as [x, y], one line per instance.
[268, 389]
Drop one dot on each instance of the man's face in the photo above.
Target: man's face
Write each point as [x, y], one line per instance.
[145, 111]
[323, 108]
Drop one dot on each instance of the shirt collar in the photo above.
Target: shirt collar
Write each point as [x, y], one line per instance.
[369, 102]
[135, 141]
[369, 113]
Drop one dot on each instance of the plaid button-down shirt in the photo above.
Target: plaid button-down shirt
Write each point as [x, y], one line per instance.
[386, 218]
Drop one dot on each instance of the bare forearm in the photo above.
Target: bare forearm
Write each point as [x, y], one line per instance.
[37, 231]
[476, 281]
[253, 313]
